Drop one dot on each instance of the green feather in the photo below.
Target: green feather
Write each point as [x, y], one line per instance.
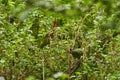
[76, 53]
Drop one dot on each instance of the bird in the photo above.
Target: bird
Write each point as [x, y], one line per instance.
[76, 53]
[45, 41]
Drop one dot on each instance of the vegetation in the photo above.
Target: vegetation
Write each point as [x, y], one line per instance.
[60, 39]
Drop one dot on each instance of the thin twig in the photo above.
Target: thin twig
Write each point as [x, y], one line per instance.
[43, 68]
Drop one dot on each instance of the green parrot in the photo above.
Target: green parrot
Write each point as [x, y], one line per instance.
[45, 41]
[76, 53]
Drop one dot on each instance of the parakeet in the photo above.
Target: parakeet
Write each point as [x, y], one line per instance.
[45, 41]
[76, 53]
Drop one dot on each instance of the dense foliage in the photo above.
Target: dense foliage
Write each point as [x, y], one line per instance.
[60, 39]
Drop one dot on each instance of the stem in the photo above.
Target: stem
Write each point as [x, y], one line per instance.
[68, 67]
[43, 68]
